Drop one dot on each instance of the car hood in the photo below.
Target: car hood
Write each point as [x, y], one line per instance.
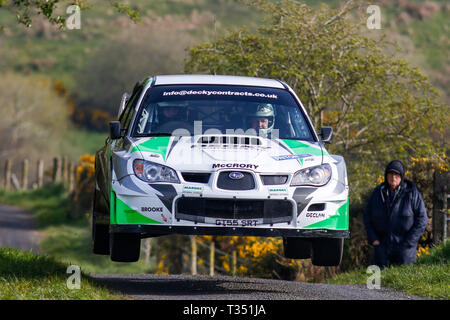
[215, 152]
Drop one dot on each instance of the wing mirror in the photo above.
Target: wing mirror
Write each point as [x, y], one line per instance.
[114, 130]
[326, 133]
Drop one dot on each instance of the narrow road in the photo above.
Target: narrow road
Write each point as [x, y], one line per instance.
[200, 287]
[17, 230]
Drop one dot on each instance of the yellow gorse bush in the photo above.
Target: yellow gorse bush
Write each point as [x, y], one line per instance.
[81, 196]
[423, 251]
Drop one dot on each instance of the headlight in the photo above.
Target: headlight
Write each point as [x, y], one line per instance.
[153, 172]
[314, 176]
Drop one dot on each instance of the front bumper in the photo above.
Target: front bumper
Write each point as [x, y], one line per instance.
[154, 231]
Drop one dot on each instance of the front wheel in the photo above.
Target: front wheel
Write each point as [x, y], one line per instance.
[125, 247]
[327, 252]
[297, 248]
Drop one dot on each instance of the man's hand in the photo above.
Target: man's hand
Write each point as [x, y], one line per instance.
[376, 243]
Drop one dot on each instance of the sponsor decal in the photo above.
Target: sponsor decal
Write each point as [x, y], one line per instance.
[192, 189]
[154, 155]
[292, 156]
[278, 191]
[235, 165]
[151, 209]
[315, 215]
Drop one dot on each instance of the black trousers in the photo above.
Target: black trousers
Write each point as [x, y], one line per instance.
[386, 255]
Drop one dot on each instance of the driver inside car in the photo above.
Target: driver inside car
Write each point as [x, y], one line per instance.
[262, 120]
[169, 113]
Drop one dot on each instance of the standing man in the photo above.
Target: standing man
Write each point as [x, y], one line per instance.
[395, 218]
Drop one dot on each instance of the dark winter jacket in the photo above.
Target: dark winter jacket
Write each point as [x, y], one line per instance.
[399, 224]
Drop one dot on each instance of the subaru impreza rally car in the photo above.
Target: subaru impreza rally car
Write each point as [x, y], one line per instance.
[218, 155]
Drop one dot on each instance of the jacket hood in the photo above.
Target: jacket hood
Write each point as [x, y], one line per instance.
[395, 166]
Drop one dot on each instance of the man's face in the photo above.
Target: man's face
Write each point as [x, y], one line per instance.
[260, 123]
[393, 179]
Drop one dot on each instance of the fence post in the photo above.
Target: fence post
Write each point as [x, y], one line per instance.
[147, 250]
[193, 255]
[24, 174]
[234, 262]
[211, 257]
[65, 170]
[56, 170]
[440, 198]
[71, 176]
[8, 174]
[40, 173]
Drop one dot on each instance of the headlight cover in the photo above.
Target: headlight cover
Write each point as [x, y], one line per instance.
[314, 176]
[153, 172]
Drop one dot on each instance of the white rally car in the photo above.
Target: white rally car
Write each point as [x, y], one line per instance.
[218, 155]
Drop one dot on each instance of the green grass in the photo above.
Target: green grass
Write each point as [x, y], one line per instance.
[26, 276]
[431, 38]
[70, 49]
[77, 142]
[429, 277]
[68, 240]
[50, 205]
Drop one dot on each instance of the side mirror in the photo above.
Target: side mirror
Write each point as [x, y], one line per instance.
[114, 130]
[123, 103]
[326, 133]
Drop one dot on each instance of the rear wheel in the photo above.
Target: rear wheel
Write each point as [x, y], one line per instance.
[327, 252]
[125, 247]
[100, 233]
[100, 238]
[297, 248]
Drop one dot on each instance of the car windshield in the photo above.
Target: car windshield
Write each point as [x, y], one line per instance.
[211, 109]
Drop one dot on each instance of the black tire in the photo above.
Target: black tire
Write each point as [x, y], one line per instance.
[297, 248]
[100, 232]
[100, 238]
[327, 252]
[125, 247]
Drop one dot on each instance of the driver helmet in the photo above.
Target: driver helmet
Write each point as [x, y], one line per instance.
[171, 111]
[264, 110]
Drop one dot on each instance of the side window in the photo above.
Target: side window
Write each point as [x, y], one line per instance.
[129, 109]
[125, 112]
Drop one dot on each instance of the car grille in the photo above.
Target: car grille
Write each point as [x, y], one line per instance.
[199, 177]
[274, 179]
[247, 182]
[198, 209]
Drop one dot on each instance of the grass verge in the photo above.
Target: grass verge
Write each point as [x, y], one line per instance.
[66, 239]
[26, 276]
[429, 277]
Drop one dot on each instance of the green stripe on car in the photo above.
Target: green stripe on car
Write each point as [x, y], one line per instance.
[299, 147]
[121, 213]
[156, 145]
[337, 222]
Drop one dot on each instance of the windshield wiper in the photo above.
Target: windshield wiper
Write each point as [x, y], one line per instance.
[158, 134]
[294, 138]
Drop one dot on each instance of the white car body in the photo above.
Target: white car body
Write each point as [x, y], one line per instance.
[150, 209]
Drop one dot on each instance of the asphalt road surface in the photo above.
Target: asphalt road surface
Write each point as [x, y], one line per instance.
[17, 230]
[200, 287]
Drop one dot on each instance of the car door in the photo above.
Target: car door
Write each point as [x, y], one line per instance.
[103, 159]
